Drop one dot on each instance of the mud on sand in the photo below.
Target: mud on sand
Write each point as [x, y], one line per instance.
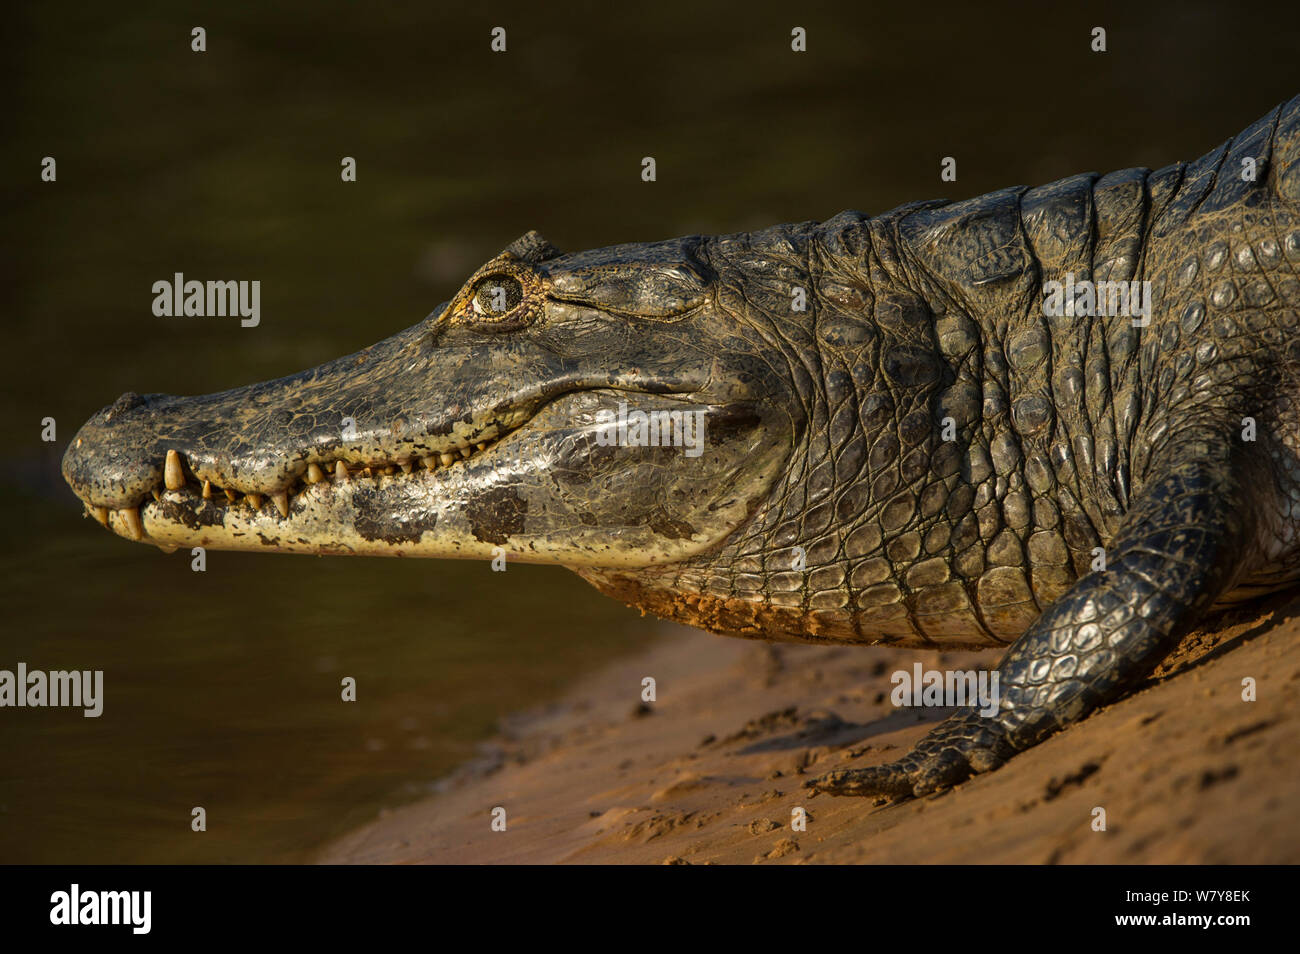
[1186, 771]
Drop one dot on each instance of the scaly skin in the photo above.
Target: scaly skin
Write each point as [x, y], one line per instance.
[918, 457]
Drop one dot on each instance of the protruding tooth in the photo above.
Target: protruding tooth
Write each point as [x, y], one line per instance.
[430, 462]
[131, 519]
[481, 447]
[466, 453]
[157, 494]
[314, 474]
[255, 501]
[173, 475]
[389, 470]
[207, 490]
[447, 459]
[340, 471]
[281, 502]
[231, 495]
[407, 467]
[100, 514]
[167, 549]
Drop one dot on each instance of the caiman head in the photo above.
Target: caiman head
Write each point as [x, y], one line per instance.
[493, 423]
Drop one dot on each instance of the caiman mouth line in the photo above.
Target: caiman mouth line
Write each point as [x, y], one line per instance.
[178, 477]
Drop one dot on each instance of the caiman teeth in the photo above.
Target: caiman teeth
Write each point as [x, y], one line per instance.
[173, 475]
[338, 471]
[100, 514]
[131, 519]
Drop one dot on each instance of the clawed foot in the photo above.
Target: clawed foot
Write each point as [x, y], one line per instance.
[957, 748]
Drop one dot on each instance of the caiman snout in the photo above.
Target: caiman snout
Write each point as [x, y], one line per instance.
[234, 450]
[111, 464]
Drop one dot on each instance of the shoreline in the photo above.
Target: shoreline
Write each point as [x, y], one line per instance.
[712, 771]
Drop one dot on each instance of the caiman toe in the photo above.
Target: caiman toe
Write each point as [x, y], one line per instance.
[957, 748]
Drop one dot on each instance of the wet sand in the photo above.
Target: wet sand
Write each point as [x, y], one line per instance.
[1186, 771]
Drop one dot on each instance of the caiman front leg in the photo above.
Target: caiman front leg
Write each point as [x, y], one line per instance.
[1181, 546]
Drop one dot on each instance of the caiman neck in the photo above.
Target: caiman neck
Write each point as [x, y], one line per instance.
[864, 372]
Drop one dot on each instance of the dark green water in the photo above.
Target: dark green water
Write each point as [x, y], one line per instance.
[222, 688]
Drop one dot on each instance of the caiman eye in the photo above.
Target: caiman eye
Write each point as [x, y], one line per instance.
[504, 295]
[495, 296]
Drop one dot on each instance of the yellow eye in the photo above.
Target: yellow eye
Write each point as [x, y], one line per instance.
[495, 296]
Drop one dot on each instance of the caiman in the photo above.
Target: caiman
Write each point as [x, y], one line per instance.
[904, 443]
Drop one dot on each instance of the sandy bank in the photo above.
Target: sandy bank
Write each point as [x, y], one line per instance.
[1185, 769]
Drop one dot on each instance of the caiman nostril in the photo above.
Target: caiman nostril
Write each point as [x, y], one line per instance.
[128, 401]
